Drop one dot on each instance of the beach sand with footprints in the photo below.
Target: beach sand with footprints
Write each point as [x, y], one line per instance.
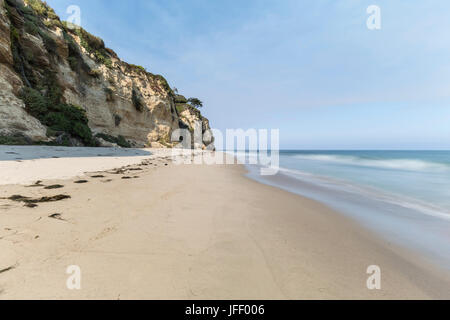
[140, 227]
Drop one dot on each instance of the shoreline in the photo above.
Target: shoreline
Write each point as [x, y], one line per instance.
[195, 232]
[390, 221]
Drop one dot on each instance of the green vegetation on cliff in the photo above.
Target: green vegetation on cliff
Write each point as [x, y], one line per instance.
[95, 46]
[42, 94]
[196, 103]
[15, 140]
[42, 45]
[58, 116]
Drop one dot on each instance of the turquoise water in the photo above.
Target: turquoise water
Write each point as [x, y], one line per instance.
[403, 195]
[423, 176]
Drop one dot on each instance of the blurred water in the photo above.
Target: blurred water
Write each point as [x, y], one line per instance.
[403, 195]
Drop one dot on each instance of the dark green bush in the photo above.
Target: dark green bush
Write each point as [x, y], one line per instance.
[36, 104]
[59, 117]
[14, 140]
[82, 130]
[121, 141]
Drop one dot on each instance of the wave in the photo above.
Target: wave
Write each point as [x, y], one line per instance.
[369, 192]
[393, 164]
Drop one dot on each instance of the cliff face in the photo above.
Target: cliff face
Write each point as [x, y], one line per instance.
[61, 84]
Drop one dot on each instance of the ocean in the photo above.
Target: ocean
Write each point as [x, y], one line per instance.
[404, 196]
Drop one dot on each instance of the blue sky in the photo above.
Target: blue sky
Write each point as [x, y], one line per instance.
[309, 68]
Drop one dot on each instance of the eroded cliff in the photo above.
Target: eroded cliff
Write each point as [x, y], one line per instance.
[59, 84]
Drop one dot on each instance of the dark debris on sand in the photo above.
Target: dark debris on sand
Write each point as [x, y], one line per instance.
[36, 184]
[8, 269]
[56, 216]
[32, 203]
[55, 186]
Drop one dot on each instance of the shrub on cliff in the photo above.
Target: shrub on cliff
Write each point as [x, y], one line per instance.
[75, 59]
[180, 99]
[180, 107]
[49, 42]
[43, 10]
[136, 67]
[14, 140]
[59, 117]
[164, 84]
[95, 46]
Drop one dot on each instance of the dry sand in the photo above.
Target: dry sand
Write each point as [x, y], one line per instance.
[24, 164]
[192, 232]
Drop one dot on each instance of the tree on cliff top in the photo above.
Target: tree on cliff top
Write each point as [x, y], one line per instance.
[195, 102]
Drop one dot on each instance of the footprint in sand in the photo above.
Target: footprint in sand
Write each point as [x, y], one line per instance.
[104, 233]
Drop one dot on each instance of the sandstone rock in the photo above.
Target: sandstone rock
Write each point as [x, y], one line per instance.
[5, 43]
[16, 18]
[106, 144]
[35, 47]
[13, 117]
[103, 90]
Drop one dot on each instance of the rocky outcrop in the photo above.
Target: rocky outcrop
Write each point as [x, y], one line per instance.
[62, 84]
[14, 120]
[192, 119]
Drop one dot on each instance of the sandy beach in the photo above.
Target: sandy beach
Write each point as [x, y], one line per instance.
[156, 230]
